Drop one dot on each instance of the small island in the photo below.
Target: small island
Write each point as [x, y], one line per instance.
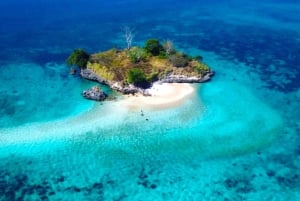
[135, 69]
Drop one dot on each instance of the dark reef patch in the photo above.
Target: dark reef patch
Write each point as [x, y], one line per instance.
[145, 181]
[19, 187]
[291, 180]
[271, 173]
[241, 185]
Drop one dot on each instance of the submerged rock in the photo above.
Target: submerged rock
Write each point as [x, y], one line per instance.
[72, 71]
[94, 93]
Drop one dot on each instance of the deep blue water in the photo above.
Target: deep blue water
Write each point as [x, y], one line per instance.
[244, 147]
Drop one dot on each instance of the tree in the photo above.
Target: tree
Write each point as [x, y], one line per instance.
[137, 77]
[153, 47]
[168, 47]
[128, 35]
[78, 58]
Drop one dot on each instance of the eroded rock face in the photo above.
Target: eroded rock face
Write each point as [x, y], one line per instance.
[131, 89]
[90, 75]
[94, 93]
[186, 79]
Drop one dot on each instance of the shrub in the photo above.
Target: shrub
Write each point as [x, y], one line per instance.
[179, 60]
[153, 77]
[201, 68]
[137, 54]
[137, 77]
[197, 58]
[78, 58]
[153, 47]
[162, 55]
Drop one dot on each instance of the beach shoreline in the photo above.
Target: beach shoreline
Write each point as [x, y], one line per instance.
[161, 96]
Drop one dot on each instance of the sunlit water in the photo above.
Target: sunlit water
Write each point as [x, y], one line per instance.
[237, 138]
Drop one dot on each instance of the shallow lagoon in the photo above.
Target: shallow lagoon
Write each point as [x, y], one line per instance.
[236, 139]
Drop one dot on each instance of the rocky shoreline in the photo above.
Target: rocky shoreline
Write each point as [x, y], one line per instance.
[131, 89]
[186, 79]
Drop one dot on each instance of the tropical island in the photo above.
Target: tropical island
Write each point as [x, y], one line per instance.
[135, 69]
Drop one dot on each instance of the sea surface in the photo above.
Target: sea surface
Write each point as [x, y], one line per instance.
[237, 138]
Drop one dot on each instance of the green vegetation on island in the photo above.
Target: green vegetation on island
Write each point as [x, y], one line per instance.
[78, 58]
[140, 66]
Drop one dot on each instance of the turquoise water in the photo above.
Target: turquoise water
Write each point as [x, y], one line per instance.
[35, 93]
[237, 138]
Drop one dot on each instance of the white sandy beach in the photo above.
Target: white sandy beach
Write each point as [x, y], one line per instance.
[163, 95]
